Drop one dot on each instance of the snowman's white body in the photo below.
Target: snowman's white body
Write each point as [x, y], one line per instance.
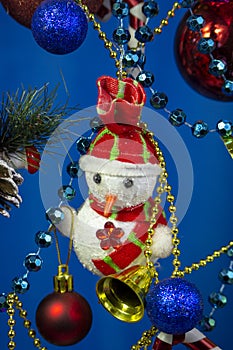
[87, 220]
[85, 242]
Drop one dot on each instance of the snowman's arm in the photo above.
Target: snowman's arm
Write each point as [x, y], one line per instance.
[162, 242]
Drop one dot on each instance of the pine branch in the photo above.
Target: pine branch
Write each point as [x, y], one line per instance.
[29, 118]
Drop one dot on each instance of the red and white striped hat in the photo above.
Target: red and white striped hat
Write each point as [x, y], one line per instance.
[121, 147]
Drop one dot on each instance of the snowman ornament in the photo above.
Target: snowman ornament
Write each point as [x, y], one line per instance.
[121, 170]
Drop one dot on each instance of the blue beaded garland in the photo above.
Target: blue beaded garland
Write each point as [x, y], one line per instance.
[195, 23]
[200, 129]
[230, 253]
[174, 305]
[145, 78]
[150, 9]
[3, 302]
[33, 262]
[217, 67]
[54, 215]
[74, 170]
[96, 124]
[224, 128]
[206, 45]
[20, 285]
[82, 144]
[177, 117]
[226, 276]
[120, 9]
[59, 26]
[67, 192]
[217, 300]
[43, 239]
[207, 324]
[159, 100]
[186, 3]
[227, 88]
[133, 58]
[143, 34]
[121, 36]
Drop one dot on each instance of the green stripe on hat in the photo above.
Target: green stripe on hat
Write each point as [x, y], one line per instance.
[115, 150]
[121, 89]
[110, 263]
[145, 152]
[114, 153]
[98, 137]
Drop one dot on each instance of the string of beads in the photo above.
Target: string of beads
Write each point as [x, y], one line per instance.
[33, 263]
[217, 299]
[134, 58]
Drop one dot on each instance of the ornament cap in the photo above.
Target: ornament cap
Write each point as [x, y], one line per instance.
[63, 282]
[228, 142]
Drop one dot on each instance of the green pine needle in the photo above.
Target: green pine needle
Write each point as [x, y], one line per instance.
[29, 118]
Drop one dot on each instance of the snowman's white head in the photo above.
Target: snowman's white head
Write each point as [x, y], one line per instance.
[124, 184]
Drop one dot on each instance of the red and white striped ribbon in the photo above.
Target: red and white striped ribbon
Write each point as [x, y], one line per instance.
[105, 11]
[136, 19]
[136, 16]
[193, 339]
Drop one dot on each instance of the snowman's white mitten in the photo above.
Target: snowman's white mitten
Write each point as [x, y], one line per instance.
[65, 225]
[162, 242]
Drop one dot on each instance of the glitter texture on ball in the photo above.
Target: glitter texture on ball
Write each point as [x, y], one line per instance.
[59, 26]
[174, 306]
[21, 10]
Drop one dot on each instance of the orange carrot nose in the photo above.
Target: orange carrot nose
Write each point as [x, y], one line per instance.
[110, 200]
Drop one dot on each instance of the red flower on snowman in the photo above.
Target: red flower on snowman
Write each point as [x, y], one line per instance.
[121, 169]
[110, 236]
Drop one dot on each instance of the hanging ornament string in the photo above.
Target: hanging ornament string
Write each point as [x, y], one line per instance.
[32, 263]
[70, 240]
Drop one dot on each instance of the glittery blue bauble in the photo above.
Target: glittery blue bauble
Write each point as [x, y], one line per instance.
[174, 305]
[59, 26]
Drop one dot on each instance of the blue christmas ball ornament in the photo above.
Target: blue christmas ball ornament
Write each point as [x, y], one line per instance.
[174, 306]
[59, 26]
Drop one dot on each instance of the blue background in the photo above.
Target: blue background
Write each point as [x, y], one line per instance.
[206, 226]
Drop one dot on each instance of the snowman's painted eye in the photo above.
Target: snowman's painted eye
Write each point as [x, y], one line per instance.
[128, 183]
[97, 178]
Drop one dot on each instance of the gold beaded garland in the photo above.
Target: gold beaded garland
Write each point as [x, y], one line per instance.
[13, 301]
[145, 340]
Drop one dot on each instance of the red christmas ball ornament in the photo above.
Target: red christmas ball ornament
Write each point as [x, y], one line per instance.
[193, 65]
[63, 318]
[33, 159]
[21, 10]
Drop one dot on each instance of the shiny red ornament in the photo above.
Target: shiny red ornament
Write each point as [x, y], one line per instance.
[21, 10]
[63, 318]
[33, 159]
[193, 65]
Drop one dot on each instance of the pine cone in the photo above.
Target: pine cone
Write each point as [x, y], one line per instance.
[9, 192]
